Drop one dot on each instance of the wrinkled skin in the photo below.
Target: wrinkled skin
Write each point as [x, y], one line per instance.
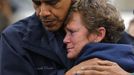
[97, 67]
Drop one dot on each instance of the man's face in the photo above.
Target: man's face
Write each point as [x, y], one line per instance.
[77, 36]
[52, 12]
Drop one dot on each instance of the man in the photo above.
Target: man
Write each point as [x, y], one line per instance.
[34, 45]
[32, 49]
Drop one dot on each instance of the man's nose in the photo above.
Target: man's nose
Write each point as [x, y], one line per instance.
[45, 10]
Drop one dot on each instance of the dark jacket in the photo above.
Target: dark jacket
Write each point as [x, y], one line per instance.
[119, 53]
[126, 39]
[26, 48]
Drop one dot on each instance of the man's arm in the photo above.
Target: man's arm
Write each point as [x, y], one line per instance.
[97, 67]
[11, 61]
[14, 59]
[78, 67]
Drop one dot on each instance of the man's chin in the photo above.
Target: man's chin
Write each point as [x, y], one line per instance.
[52, 29]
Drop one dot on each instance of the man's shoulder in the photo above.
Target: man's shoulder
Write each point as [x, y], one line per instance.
[20, 26]
[24, 23]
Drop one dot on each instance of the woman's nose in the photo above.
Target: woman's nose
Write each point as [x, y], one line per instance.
[66, 39]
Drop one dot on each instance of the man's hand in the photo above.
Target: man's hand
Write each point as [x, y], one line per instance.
[78, 67]
[97, 67]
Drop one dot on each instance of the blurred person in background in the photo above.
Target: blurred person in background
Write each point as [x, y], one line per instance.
[128, 36]
[21, 9]
[5, 14]
[130, 29]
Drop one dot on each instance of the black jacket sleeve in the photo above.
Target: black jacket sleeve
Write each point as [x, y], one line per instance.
[14, 60]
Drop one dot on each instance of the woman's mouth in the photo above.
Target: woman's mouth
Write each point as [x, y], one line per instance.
[69, 49]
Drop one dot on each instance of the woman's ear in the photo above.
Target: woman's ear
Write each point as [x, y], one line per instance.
[101, 34]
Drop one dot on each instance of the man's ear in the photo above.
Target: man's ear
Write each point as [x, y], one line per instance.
[101, 34]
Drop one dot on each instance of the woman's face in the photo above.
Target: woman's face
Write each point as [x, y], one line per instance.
[77, 36]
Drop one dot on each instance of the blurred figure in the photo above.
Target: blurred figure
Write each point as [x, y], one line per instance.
[5, 13]
[3, 21]
[128, 36]
[21, 9]
[130, 29]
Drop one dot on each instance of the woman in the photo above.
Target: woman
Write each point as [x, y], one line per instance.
[93, 28]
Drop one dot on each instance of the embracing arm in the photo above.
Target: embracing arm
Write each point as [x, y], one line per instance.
[15, 61]
[97, 67]
[78, 67]
[11, 61]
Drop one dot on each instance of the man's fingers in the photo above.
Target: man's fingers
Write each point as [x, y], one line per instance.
[97, 61]
[91, 72]
[106, 63]
[95, 67]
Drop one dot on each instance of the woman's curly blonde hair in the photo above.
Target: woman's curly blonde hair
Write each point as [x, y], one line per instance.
[99, 13]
